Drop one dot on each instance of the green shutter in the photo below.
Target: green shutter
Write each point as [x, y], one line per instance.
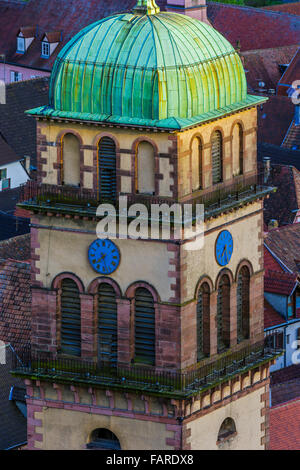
[223, 314]
[216, 155]
[70, 318]
[200, 326]
[107, 168]
[107, 325]
[144, 327]
[240, 308]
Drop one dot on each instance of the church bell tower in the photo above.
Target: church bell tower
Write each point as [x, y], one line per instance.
[146, 343]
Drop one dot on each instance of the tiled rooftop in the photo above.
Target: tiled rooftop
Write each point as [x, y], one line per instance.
[285, 243]
[17, 248]
[283, 204]
[15, 303]
[254, 28]
[21, 96]
[285, 426]
[271, 317]
[280, 283]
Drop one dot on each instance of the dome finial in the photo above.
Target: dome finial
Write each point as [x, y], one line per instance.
[147, 7]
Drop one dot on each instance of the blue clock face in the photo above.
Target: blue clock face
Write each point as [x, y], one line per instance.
[104, 256]
[224, 248]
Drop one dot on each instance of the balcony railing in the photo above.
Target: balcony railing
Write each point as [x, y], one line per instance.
[64, 198]
[41, 366]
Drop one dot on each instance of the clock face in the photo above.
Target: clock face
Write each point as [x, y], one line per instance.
[224, 248]
[104, 256]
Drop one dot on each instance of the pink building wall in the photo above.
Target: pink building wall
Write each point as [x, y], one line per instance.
[27, 73]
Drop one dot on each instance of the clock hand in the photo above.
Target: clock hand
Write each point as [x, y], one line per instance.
[100, 259]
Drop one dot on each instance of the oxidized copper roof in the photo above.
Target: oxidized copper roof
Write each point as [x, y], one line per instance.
[147, 68]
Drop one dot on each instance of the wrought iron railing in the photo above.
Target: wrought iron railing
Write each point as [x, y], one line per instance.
[223, 194]
[43, 366]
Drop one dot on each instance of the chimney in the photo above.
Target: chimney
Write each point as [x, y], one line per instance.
[273, 223]
[267, 168]
[194, 8]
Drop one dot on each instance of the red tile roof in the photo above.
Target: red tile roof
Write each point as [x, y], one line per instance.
[292, 138]
[56, 15]
[17, 248]
[285, 426]
[7, 154]
[270, 262]
[283, 204]
[279, 282]
[285, 243]
[292, 8]
[253, 27]
[271, 317]
[15, 303]
[263, 65]
[274, 119]
[286, 374]
[291, 74]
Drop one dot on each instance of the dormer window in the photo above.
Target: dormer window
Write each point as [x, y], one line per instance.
[20, 45]
[49, 43]
[45, 50]
[24, 38]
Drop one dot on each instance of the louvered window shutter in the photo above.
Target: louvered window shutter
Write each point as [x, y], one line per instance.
[107, 325]
[70, 318]
[216, 155]
[144, 327]
[223, 314]
[200, 326]
[243, 306]
[107, 169]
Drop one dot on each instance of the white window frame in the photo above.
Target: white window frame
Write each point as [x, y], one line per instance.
[22, 49]
[45, 49]
[15, 76]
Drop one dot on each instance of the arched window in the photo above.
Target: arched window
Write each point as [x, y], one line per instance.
[70, 333]
[216, 157]
[243, 307]
[107, 324]
[103, 439]
[107, 169]
[144, 327]
[196, 164]
[223, 314]
[237, 150]
[227, 429]
[203, 322]
[70, 160]
[145, 169]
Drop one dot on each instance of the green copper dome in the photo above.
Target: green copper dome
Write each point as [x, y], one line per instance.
[149, 68]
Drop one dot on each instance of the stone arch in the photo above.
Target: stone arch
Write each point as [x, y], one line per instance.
[217, 154]
[70, 157]
[93, 287]
[244, 262]
[203, 279]
[196, 162]
[145, 168]
[103, 439]
[221, 273]
[237, 147]
[57, 281]
[130, 291]
[226, 430]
